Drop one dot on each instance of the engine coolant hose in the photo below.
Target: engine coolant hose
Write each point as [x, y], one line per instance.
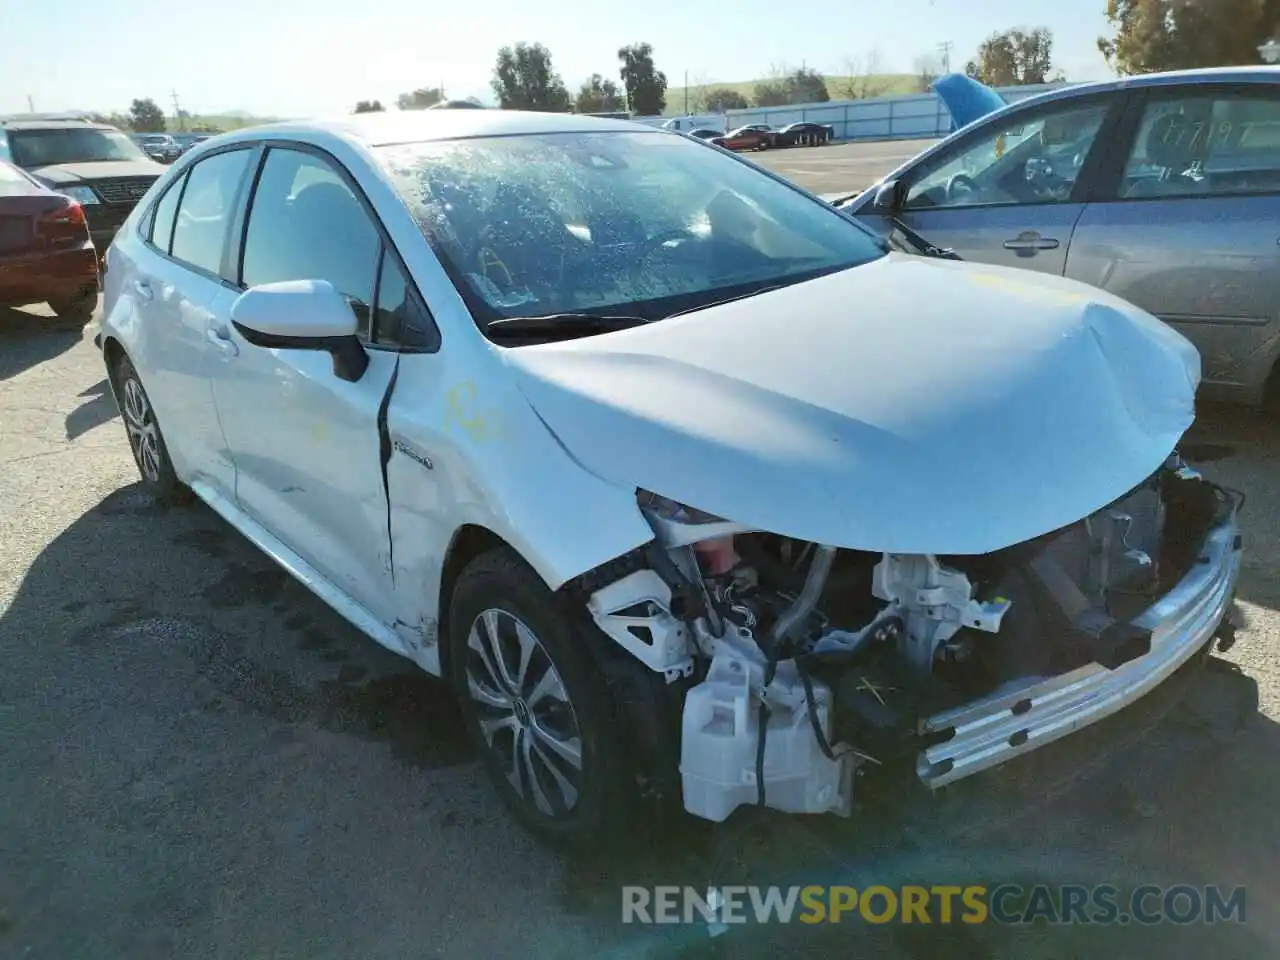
[814, 582]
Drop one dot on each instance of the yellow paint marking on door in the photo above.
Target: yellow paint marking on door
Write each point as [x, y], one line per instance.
[479, 425]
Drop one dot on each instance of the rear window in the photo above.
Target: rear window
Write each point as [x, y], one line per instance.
[42, 148]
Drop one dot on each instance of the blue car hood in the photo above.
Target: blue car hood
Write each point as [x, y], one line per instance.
[966, 98]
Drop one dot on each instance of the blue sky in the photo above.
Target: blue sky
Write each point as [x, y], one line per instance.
[301, 57]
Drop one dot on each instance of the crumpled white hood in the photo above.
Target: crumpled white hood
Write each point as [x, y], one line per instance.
[908, 405]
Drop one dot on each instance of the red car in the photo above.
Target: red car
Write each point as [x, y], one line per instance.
[46, 254]
[756, 136]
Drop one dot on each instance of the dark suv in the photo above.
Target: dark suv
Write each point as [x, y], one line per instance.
[93, 163]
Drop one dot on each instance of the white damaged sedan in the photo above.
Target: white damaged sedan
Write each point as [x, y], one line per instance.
[687, 483]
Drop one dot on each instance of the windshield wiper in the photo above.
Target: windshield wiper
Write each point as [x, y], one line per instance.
[719, 303]
[557, 322]
[917, 244]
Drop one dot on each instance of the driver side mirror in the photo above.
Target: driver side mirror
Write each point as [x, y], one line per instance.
[302, 315]
[889, 197]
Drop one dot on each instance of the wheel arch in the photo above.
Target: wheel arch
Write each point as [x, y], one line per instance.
[468, 542]
[113, 352]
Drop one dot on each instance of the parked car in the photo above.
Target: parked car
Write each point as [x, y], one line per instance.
[160, 147]
[804, 133]
[186, 141]
[706, 134]
[93, 163]
[626, 437]
[686, 124]
[46, 255]
[750, 137]
[1163, 189]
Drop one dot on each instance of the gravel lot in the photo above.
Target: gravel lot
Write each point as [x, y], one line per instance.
[200, 760]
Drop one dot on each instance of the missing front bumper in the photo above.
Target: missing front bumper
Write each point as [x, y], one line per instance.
[997, 728]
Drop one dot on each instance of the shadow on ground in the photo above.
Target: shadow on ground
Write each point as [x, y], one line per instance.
[173, 709]
[194, 753]
[28, 339]
[1185, 799]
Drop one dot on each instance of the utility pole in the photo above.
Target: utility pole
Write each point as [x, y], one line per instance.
[686, 93]
[31, 104]
[945, 49]
[177, 111]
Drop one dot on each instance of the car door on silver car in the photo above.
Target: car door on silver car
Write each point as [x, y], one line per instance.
[1188, 227]
[305, 442]
[181, 284]
[1009, 191]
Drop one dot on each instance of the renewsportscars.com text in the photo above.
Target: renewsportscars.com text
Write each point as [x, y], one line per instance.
[973, 904]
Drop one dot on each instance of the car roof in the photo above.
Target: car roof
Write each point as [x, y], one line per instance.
[15, 123]
[414, 126]
[1208, 75]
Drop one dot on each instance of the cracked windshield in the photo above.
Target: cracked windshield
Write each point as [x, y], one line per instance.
[671, 482]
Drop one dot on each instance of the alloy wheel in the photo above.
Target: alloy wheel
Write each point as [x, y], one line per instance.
[524, 712]
[140, 424]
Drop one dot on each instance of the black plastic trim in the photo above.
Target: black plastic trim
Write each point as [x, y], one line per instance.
[301, 146]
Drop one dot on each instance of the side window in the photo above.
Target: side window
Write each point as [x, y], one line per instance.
[1196, 146]
[306, 223]
[1023, 159]
[399, 317]
[207, 208]
[162, 217]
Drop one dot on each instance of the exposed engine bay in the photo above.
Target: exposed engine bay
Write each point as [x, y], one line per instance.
[795, 665]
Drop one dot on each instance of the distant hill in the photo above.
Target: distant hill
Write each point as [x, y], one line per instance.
[883, 85]
[220, 121]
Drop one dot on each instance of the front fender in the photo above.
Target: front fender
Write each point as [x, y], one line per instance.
[468, 450]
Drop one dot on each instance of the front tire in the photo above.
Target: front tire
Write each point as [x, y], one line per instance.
[145, 439]
[76, 309]
[535, 704]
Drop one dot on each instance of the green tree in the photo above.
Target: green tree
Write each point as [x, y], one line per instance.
[523, 79]
[807, 86]
[1152, 35]
[770, 93]
[724, 99]
[420, 99]
[369, 106]
[598, 95]
[646, 86]
[1013, 58]
[791, 86]
[145, 116]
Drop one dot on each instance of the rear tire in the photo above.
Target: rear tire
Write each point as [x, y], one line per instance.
[146, 442]
[1271, 395]
[76, 309]
[535, 704]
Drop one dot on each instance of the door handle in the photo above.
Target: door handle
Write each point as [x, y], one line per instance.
[1031, 241]
[223, 342]
[143, 289]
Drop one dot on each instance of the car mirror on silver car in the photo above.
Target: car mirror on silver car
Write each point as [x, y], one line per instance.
[888, 197]
[302, 315]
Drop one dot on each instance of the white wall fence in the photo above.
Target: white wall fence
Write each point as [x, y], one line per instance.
[910, 117]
